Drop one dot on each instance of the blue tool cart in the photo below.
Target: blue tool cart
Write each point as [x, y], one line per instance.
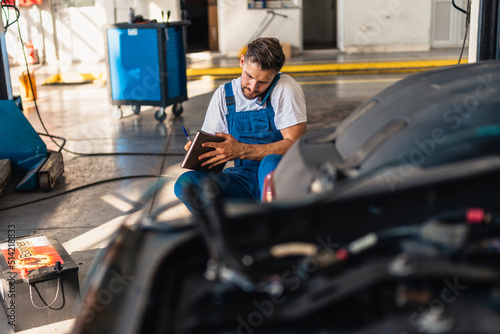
[146, 65]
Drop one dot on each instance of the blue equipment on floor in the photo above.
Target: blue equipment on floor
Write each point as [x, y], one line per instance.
[22, 145]
[147, 66]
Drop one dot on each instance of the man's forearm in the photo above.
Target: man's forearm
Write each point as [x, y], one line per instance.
[259, 151]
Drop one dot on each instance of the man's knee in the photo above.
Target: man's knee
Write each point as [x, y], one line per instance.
[183, 182]
[272, 158]
[179, 187]
[269, 163]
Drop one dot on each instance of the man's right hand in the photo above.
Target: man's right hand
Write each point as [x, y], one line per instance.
[188, 145]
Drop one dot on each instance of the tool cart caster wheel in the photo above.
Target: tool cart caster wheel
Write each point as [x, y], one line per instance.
[117, 112]
[44, 182]
[177, 109]
[160, 115]
[136, 109]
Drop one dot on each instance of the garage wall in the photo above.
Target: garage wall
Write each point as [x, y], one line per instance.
[150, 9]
[36, 25]
[75, 34]
[386, 25]
[363, 26]
[237, 24]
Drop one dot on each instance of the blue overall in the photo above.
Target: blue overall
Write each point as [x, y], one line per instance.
[245, 179]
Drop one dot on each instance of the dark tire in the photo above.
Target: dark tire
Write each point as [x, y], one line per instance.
[177, 109]
[136, 109]
[44, 182]
[160, 115]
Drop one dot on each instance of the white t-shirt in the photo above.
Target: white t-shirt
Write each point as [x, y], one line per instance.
[287, 99]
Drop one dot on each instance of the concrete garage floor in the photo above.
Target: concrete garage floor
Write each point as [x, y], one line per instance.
[97, 193]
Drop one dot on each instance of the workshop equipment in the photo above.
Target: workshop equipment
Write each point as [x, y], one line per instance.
[22, 145]
[5, 173]
[51, 170]
[31, 53]
[27, 86]
[146, 65]
[266, 21]
[38, 281]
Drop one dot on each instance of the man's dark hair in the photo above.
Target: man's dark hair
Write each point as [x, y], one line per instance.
[267, 52]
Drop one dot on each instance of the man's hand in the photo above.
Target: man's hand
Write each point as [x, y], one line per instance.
[229, 149]
[188, 145]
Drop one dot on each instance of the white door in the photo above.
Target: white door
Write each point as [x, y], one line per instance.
[79, 30]
[448, 23]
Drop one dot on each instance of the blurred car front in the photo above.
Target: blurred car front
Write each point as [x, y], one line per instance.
[426, 119]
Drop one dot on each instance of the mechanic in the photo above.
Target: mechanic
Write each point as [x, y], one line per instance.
[259, 115]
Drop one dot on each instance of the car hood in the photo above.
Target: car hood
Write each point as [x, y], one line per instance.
[423, 120]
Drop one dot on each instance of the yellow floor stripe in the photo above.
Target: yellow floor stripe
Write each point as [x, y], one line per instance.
[324, 82]
[74, 78]
[213, 71]
[329, 82]
[297, 70]
[349, 67]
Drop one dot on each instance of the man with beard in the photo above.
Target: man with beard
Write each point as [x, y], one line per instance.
[259, 115]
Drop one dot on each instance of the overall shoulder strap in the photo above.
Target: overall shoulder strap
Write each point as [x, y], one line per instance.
[230, 98]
